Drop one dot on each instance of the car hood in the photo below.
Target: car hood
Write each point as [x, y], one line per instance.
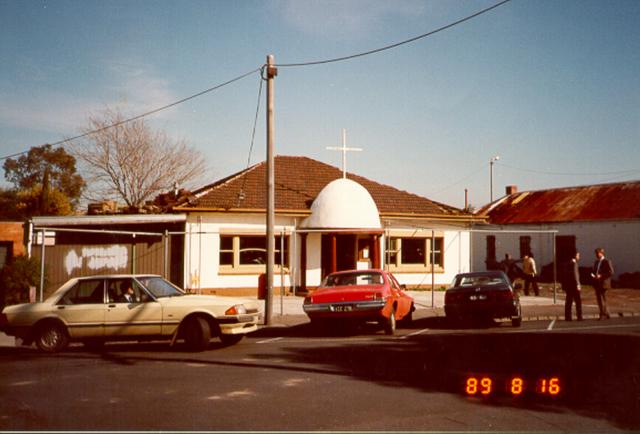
[27, 307]
[346, 293]
[207, 300]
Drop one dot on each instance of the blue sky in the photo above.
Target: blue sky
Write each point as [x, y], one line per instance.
[552, 86]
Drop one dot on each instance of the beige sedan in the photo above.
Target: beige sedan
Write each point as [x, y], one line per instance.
[128, 307]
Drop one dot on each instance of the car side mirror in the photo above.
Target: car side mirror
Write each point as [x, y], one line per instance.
[403, 287]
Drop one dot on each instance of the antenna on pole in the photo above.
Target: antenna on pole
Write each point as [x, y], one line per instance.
[344, 151]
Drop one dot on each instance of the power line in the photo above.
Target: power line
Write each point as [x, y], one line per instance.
[397, 44]
[149, 113]
[544, 172]
[253, 137]
[317, 62]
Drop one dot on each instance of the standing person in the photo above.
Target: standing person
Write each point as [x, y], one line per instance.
[602, 272]
[529, 271]
[572, 288]
[508, 265]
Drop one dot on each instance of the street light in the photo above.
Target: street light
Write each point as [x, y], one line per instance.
[493, 160]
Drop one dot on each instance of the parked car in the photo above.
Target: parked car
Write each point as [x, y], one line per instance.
[487, 294]
[128, 307]
[360, 295]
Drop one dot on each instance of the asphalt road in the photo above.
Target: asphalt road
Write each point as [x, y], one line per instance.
[544, 376]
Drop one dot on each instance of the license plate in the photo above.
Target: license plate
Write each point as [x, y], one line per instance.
[478, 297]
[345, 308]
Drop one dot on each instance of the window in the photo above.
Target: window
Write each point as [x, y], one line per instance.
[491, 248]
[413, 251]
[415, 254]
[248, 253]
[226, 250]
[525, 246]
[85, 292]
[5, 253]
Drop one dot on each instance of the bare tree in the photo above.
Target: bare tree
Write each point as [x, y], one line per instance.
[129, 161]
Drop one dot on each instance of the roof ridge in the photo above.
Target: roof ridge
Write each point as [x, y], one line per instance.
[577, 187]
[221, 182]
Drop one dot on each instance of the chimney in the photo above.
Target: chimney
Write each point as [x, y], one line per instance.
[511, 189]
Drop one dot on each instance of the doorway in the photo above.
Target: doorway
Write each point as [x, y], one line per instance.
[344, 256]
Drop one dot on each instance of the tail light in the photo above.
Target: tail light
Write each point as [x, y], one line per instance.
[308, 300]
[503, 295]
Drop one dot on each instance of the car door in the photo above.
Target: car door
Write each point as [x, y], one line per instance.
[142, 316]
[82, 308]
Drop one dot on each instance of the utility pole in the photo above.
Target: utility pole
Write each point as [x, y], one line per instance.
[271, 72]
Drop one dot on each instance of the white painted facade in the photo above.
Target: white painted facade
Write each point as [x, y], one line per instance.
[342, 208]
[620, 239]
[202, 252]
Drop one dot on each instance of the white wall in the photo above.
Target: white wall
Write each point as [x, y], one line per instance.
[202, 257]
[202, 250]
[456, 260]
[620, 239]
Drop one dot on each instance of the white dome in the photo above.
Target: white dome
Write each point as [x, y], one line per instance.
[343, 204]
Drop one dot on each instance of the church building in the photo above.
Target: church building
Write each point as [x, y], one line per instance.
[326, 220]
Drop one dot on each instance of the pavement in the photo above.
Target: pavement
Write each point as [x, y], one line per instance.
[287, 310]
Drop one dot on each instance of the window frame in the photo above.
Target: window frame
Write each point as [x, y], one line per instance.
[236, 267]
[393, 254]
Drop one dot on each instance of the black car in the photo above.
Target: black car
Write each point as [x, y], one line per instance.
[486, 294]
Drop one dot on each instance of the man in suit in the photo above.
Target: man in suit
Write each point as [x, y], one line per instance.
[572, 288]
[602, 272]
[128, 295]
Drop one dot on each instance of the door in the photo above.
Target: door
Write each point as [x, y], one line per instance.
[83, 308]
[565, 248]
[141, 315]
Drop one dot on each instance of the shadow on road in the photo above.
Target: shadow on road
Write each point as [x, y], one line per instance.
[598, 375]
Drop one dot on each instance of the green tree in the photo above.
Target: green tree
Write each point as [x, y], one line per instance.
[45, 182]
[15, 279]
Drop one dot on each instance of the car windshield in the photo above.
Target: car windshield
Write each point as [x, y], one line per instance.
[159, 287]
[482, 280]
[353, 279]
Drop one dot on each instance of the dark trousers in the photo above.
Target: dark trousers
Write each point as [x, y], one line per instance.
[573, 296]
[529, 280]
[601, 298]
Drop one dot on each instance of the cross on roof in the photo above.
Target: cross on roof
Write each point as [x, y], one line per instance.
[344, 150]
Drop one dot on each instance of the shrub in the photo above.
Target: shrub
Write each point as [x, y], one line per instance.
[16, 277]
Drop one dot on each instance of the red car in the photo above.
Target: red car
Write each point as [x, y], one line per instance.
[360, 295]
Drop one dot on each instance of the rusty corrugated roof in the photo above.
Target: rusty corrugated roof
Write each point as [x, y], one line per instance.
[619, 201]
[298, 180]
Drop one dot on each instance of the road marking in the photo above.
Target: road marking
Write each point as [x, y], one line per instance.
[551, 325]
[266, 341]
[416, 333]
[598, 327]
[23, 383]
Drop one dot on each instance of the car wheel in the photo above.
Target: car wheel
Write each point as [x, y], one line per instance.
[197, 334]
[390, 323]
[52, 337]
[230, 339]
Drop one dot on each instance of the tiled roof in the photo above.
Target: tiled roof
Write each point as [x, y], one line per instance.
[298, 180]
[619, 201]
